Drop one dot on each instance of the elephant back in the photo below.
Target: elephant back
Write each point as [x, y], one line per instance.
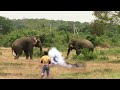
[22, 41]
[86, 44]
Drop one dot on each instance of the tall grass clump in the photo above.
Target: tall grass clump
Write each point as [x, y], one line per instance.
[87, 56]
[114, 50]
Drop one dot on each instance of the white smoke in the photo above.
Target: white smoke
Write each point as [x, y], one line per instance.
[57, 58]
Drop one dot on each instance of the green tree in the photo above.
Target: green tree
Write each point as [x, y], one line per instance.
[105, 21]
[5, 25]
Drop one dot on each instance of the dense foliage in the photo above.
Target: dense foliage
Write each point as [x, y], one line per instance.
[5, 25]
[58, 33]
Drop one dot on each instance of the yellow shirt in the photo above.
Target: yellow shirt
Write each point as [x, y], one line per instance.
[45, 59]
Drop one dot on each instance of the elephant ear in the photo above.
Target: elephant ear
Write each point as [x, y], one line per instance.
[34, 40]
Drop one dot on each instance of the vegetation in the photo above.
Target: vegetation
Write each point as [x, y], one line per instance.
[51, 31]
[5, 25]
[93, 69]
[104, 32]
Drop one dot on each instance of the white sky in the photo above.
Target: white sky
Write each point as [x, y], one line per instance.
[81, 16]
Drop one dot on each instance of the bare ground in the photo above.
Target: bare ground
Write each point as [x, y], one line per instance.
[29, 69]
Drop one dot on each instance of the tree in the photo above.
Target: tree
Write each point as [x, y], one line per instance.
[65, 27]
[105, 21]
[5, 25]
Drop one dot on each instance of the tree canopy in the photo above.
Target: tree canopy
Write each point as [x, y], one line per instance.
[5, 25]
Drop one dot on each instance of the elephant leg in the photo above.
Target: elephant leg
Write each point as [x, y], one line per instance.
[77, 52]
[68, 52]
[26, 53]
[18, 52]
[91, 50]
[31, 54]
[17, 55]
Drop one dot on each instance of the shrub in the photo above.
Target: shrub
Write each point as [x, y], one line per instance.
[36, 52]
[85, 55]
[96, 55]
[103, 57]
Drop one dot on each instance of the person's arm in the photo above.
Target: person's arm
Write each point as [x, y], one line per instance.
[41, 61]
[49, 62]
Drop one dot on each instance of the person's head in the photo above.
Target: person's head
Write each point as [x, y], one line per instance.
[45, 52]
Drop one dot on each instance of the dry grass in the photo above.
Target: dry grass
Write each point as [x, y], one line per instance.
[28, 69]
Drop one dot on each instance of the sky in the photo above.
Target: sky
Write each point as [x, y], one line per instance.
[81, 16]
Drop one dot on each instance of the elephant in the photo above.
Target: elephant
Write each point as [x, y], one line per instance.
[78, 45]
[93, 39]
[26, 44]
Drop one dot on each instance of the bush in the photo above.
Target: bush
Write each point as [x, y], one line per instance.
[103, 57]
[85, 55]
[36, 52]
[96, 55]
[9, 38]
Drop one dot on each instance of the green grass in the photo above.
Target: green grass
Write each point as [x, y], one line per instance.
[115, 61]
[89, 56]
[95, 74]
[6, 74]
[102, 67]
[11, 64]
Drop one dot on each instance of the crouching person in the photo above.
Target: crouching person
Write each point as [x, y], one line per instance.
[45, 60]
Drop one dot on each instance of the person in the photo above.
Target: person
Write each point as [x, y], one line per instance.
[45, 60]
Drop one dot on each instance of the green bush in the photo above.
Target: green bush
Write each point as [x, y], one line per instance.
[96, 55]
[36, 52]
[9, 38]
[103, 57]
[85, 55]
[58, 38]
[114, 50]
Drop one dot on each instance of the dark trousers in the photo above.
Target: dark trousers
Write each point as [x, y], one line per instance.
[45, 68]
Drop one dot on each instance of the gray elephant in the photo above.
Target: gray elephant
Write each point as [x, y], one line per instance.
[78, 45]
[26, 44]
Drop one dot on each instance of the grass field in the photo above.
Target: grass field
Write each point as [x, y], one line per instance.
[29, 69]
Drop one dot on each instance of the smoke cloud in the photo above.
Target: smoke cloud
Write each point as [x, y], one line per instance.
[57, 58]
